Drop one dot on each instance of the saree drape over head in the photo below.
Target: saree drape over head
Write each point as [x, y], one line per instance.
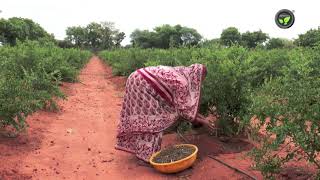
[154, 99]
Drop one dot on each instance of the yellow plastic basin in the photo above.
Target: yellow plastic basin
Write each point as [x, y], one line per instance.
[175, 166]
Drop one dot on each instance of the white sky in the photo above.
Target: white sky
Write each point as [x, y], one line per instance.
[209, 17]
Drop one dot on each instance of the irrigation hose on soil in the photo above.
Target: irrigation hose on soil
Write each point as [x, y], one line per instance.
[235, 169]
[218, 160]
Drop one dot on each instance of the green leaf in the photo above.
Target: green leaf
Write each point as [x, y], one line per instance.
[287, 19]
[280, 21]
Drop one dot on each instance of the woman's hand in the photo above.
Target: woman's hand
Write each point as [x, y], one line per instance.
[206, 122]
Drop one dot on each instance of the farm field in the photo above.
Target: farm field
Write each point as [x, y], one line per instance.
[77, 142]
[251, 104]
[274, 87]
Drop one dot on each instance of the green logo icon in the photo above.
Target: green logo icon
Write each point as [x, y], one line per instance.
[284, 18]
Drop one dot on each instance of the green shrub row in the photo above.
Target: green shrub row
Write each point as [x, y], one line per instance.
[30, 74]
[280, 84]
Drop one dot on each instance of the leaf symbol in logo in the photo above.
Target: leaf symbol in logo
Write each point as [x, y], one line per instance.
[286, 20]
[280, 21]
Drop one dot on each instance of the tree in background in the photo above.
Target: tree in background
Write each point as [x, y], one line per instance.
[64, 44]
[211, 43]
[119, 38]
[165, 36]
[253, 39]
[76, 35]
[274, 43]
[189, 36]
[230, 36]
[95, 36]
[21, 29]
[143, 39]
[277, 43]
[289, 44]
[310, 39]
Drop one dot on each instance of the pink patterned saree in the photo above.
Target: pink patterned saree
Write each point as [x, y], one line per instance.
[154, 99]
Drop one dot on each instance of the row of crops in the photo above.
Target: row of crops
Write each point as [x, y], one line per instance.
[30, 75]
[282, 84]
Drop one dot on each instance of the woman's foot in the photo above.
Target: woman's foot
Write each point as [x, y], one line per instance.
[143, 163]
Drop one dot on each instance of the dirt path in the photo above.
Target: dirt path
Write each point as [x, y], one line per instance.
[78, 142]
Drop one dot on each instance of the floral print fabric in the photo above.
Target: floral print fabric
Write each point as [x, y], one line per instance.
[154, 99]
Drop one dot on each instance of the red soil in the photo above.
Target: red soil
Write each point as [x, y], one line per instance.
[78, 141]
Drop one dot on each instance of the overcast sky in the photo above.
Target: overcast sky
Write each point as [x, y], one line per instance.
[209, 17]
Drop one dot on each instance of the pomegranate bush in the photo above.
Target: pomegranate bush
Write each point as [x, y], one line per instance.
[30, 74]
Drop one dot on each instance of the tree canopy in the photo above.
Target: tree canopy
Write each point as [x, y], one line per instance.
[165, 36]
[253, 39]
[310, 39]
[21, 29]
[248, 39]
[230, 36]
[95, 36]
[275, 43]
